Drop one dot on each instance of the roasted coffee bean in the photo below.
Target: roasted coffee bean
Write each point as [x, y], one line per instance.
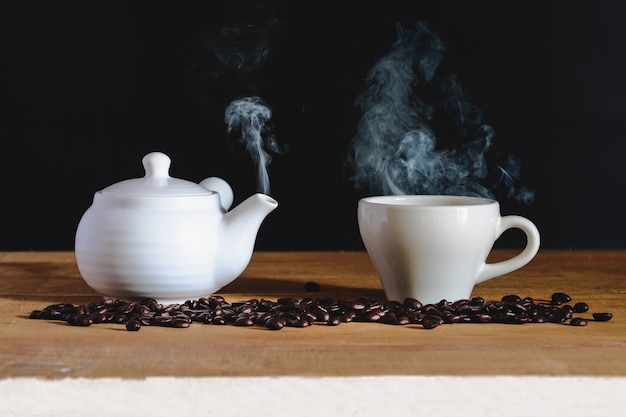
[477, 301]
[447, 317]
[560, 298]
[392, 306]
[163, 319]
[205, 318]
[288, 301]
[348, 316]
[389, 317]
[539, 319]
[291, 314]
[141, 309]
[602, 316]
[357, 305]
[230, 317]
[287, 308]
[180, 323]
[320, 313]
[368, 316]
[412, 303]
[36, 314]
[306, 304]
[432, 310]
[298, 320]
[430, 322]
[205, 302]
[512, 298]
[151, 303]
[266, 305]
[97, 306]
[253, 302]
[172, 309]
[133, 325]
[470, 309]
[581, 307]
[52, 315]
[77, 319]
[244, 308]
[126, 308]
[561, 316]
[334, 321]
[274, 323]
[481, 318]
[262, 318]
[193, 314]
[98, 317]
[310, 317]
[244, 321]
[578, 321]
[119, 318]
[373, 306]
[414, 316]
[518, 308]
[454, 318]
[182, 315]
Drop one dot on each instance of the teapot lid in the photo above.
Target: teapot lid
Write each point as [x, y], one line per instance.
[157, 181]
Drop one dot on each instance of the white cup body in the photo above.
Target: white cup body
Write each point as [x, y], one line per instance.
[434, 247]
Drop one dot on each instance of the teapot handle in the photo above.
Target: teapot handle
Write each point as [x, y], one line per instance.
[222, 188]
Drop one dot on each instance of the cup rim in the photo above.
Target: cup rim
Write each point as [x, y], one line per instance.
[422, 200]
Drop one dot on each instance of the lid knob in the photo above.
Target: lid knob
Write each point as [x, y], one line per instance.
[156, 165]
[157, 181]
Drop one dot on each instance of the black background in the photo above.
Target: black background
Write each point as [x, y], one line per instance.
[88, 88]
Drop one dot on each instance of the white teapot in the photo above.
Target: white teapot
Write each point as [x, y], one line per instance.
[166, 238]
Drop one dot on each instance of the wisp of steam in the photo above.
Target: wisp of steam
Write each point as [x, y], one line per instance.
[249, 119]
[418, 133]
[233, 53]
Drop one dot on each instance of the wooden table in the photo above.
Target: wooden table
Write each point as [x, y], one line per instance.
[39, 348]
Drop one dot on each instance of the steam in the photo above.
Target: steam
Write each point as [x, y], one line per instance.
[233, 54]
[240, 46]
[418, 132]
[249, 117]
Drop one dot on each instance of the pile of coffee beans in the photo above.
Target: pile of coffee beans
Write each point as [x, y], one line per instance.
[293, 312]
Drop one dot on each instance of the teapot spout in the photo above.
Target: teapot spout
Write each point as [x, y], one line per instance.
[239, 232]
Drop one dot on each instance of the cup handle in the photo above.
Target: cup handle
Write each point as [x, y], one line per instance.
[532, 247]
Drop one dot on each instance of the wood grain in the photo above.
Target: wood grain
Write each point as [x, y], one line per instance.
[32, 280]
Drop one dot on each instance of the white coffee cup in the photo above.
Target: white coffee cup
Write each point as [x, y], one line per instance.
[435, 247]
